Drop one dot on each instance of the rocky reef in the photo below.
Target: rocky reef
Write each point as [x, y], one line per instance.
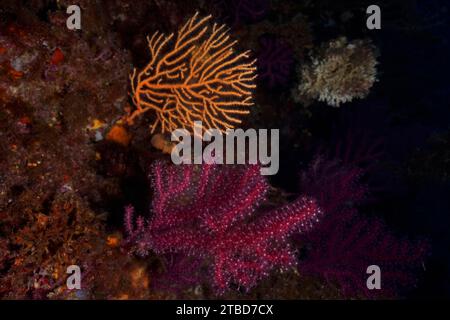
[86, 177]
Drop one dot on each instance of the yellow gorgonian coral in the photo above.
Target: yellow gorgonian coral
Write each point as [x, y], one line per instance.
[195, 75]
[340, 72]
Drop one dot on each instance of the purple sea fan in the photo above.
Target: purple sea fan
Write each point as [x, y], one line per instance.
[209, 211]
[238, 12]
[344, 246]
[275, 61]
[334, 186]
[345, 242]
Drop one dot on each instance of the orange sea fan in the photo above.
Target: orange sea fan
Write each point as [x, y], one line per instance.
[194, 76]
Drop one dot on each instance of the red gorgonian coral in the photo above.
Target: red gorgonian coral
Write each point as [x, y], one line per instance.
[210, 211]
[275, 61]
[239, 12]
[346, 242]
